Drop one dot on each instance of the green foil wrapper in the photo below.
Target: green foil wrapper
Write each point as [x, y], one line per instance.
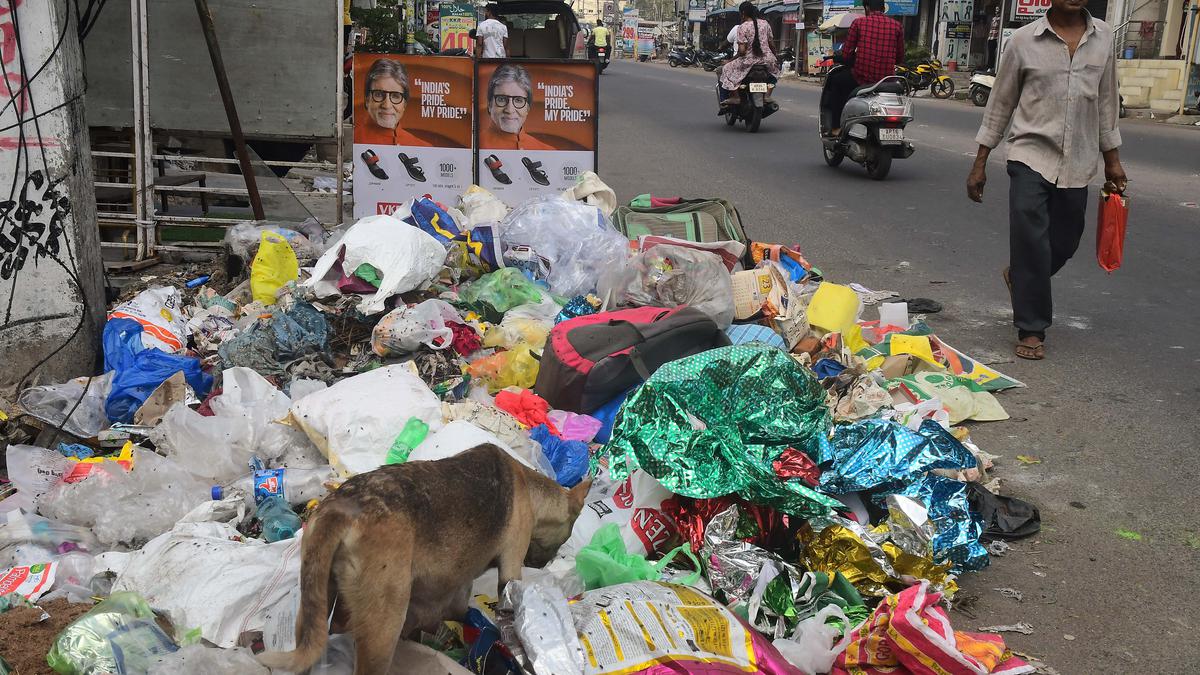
[711, 424]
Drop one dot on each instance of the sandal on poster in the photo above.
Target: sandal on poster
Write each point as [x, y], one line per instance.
[372, 161]
[410, 165]
[535, 171]
[493, 164]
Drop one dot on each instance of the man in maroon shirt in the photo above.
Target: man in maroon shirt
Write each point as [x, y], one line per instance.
[876, 45]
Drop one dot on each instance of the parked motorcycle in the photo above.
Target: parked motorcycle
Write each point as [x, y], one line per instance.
[682, 56]
[981, 87]
[710, 61]
[753, 105]
[873, 123]
[927, 74]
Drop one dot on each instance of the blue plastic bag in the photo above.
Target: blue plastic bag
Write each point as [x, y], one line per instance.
[139, 371]
[569, 458]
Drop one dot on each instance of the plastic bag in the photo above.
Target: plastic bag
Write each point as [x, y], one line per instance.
[306, 239]
[406, 257]
[668, 276]
[275, 264]
[206, 576]
[567, 244]
[127, 507]
[569, 458]
[354, 422]
[141, 375]
[592, 191]
[1110, 230]
[27, 539]
[605, 562]
[809, 648]
[201, 660]
[529, 323]
[407, 329]
[833, 307]
[119, 635]
[494, 294]
[33, 471]
[269, 345]
[516, 367]
[159, 310]
[481, 207]
[458, 437]
[51, 403]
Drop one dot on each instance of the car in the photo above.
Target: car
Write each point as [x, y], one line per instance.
[542, 29]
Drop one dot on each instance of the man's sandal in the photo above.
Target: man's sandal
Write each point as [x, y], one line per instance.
[1035, 352]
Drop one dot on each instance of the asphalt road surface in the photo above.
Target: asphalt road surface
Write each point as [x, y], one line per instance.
[1111, 584]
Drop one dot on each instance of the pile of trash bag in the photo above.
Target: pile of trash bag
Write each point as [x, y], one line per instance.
[778, 481]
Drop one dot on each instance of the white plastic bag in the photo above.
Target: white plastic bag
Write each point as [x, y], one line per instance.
[33, 471]
[668, 276]
[201, 660]
[547, 630]
[407, 329]
[354, 422]
[407, 258]
[567, 243]
[635, 505]
[592, 191]
[458, 437]
[814, 644]
[51, 403]
[160, 311]
[481, 207]
[207, 576]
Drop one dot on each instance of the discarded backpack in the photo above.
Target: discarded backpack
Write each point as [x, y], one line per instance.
[591, 359]
[698, 220]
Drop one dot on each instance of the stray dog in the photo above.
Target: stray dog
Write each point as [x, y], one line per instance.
[399, 547]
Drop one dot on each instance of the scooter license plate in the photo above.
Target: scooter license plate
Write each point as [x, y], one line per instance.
[758, 87]
[891, 135]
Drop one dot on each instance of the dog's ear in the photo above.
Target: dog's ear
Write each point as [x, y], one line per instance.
[578, 495]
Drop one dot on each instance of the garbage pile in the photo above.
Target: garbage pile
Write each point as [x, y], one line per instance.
[779, 484]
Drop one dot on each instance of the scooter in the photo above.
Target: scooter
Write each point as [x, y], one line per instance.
[753, 105]
[873, 122]
[682, 56]
[710, 61]
[981, 87]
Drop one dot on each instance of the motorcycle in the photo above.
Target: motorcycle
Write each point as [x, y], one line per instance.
[753, 105]
[682, 56]
[710, 61]
[981, 87]
[602, 57]
[927, 74]
[873, 122]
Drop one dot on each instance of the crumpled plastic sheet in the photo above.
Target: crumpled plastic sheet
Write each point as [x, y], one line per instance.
[759, 525]
[874, 565]
[269, 346]
[958, 528]
[569, 458]
[669, 276]
[874, 453]
[201, 660]
[569, 243]
[774, 594]
[713, 423]
[82, 397]
[580, 305]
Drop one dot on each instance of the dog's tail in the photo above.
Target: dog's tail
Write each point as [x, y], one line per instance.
[322, 538]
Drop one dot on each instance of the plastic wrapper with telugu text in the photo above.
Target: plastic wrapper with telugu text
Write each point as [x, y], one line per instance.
[712, 424]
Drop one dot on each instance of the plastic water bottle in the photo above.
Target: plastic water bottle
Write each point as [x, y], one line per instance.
[295, 486]
[279, 521]
[411, 436]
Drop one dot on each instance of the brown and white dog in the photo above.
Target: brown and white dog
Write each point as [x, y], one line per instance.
[399, 547]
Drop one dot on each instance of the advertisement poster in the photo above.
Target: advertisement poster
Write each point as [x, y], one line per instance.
[412, 129]
[536, 125]
[1027, 10]
[629, 26]
[455, 21]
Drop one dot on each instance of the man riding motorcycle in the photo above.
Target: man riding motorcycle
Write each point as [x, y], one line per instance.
[875, 45]
[599, 39]
[753, 48]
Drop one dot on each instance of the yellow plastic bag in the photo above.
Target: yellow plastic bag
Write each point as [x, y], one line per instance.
[515, 367]
[274, 265]
[833, 308]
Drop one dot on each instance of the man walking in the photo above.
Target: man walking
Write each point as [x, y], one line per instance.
[1058, 88]
[491, 36]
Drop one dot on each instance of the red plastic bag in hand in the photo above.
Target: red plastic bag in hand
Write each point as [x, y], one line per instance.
[1110, 230]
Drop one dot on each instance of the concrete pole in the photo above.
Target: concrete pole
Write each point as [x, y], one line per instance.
[51, 294]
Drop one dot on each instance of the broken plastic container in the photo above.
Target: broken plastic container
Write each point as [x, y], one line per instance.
[279, 521]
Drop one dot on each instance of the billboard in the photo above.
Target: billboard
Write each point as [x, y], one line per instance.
[412, 129]
[890, 7]
[455, 21]
[536, 130]
[1026, 10]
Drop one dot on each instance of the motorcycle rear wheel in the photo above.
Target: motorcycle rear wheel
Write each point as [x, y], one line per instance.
[879, 163]
[673, 62]
[832, 157]
[979, 96]
[730, 117]
[754, 120]
[942, 88]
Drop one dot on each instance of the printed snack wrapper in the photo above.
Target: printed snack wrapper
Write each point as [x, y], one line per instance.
[31, 581]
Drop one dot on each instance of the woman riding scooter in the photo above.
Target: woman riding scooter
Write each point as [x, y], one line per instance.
[753, 48]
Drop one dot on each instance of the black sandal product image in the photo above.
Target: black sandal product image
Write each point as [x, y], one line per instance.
[493, 164]
[410, 164]
[535, 171]
[372, 161]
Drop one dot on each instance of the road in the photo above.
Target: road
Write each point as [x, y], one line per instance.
[1112, 411]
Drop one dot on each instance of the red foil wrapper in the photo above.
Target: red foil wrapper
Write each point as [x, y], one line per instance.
[763, 525]
[793, 463]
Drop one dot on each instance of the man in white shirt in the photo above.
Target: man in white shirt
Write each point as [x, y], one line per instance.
[731, 38]
[491, 36]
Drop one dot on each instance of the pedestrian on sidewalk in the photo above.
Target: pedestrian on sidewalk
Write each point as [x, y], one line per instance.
[491, 36]
[1058, 89]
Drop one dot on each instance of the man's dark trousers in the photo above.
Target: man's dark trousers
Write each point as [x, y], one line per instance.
[1045, 224]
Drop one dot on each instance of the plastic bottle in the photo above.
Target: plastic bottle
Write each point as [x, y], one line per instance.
[297, 486]
[413, 434]
[279, 521]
